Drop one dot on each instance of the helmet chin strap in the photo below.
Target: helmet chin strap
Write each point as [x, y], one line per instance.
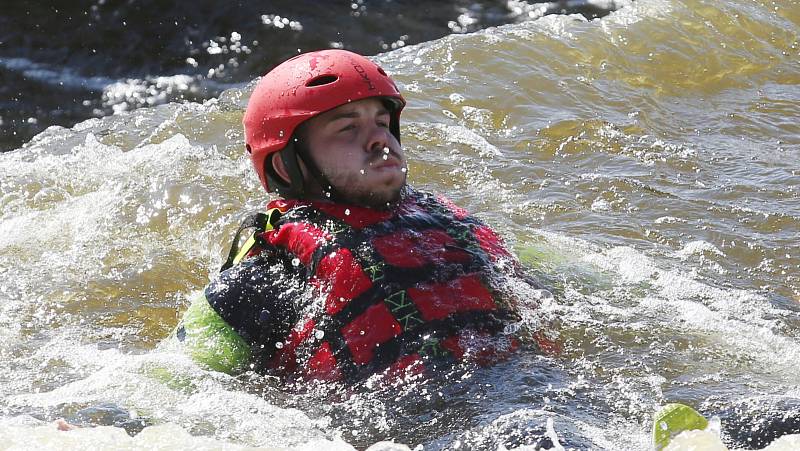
[294, 188]
[329, 192]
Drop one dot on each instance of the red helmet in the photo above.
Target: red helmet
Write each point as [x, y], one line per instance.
[303, 87]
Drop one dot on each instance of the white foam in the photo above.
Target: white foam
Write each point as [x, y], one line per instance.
[163, 436]
[742, 321]
[168, 387]
[124, 95]
[708, 441]
[669, 220]
[702, 249]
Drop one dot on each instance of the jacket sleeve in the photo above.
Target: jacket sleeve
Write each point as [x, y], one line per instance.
[242, 314]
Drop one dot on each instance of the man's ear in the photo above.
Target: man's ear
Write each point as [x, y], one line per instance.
[279, 167]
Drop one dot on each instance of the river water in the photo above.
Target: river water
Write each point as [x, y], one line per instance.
[645, 165]
[64, 63]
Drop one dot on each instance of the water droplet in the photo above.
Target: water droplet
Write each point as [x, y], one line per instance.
[386, 157]
[295, 262]
[319, 334]
[663, 425]
[327, 194]
[362, 172]
[347, 212]
[279, 345]
[361, 332]
[404, 169]
[386, 150]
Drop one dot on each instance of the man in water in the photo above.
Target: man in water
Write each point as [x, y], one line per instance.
[352, 272]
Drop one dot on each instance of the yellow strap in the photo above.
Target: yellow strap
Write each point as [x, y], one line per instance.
[272, 216]
[245, 248]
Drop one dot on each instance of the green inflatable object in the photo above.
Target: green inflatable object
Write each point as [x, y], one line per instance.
[209, 340]
[674, 419]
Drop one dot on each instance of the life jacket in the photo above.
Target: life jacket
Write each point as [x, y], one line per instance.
[392, 291]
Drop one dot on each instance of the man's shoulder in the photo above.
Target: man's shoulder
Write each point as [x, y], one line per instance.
[438, 202]
[254, 271]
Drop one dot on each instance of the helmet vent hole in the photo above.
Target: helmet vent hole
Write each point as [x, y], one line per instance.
[381, 71]
[322, 80]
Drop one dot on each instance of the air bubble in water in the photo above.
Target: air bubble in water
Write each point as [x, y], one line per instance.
[362, 172]
[386, 157]
[386, 150]
[295, 262]
[319, 334]
[347, 212]
[279, 345]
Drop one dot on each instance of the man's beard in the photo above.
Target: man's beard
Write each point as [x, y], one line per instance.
[342, 192]
[345, 188]
[378, 201]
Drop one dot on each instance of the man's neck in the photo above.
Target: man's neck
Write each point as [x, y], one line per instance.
[322, 199]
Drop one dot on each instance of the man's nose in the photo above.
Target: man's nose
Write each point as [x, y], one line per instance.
[378, 139]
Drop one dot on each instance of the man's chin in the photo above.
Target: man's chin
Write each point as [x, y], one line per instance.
[385, 200]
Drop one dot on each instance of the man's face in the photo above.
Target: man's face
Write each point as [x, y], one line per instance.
[355, 150]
